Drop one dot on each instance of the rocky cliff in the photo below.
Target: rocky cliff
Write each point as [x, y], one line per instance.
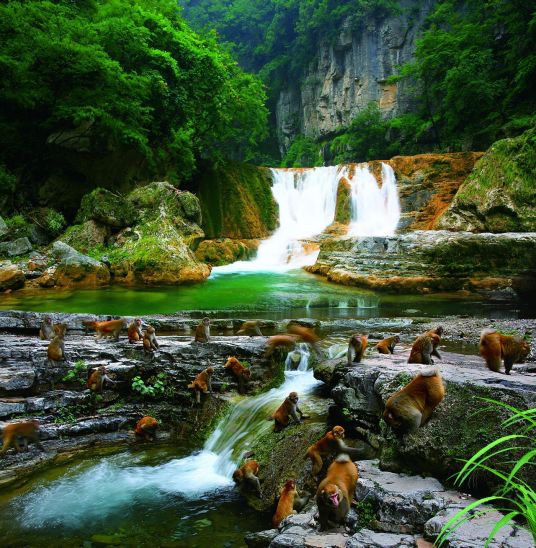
[349, 73]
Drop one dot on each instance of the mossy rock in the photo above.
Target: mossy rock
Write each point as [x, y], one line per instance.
[237, 201]
[107, 208]
[225, 251]
[86, 236]
[343, 212]
[499, 194]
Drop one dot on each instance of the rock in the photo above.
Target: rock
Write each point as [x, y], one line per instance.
[261, 539]
[342, 207]
[86, 236]
[107, 208]
[38, 235]
[498, 196]
[77, 270]
[372, 539]
[11, 277]
[476, 531]
[425, 261]
[225, 251]
[37, 261]
[20, 246]
[48, 279]
[3, 228]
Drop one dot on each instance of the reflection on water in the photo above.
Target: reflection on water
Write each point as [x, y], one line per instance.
[262, 295]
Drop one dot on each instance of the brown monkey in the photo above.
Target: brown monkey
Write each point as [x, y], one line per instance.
[150, 344]
[242, 374]
[331, 444]
[108, 328]
[246, 475]
[436, 335]
[287, 410]
[202, 331]
[336, 491]
[46, 331]
[146, 428]
[134, 331]
[412, 406]
[306, 335]
[251, 328]
[288, 342]
[356, 348]
[27, 430]
[96, 380]
[285, 506]
[495, 347]
[56, 347]
[422, 349]
[202, 383]
[387, 346]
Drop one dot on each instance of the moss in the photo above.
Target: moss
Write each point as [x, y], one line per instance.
[107, 208]
[343, 206]
[236, 201]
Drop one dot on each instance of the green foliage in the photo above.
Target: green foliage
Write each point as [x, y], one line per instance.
[16, 222]
[70, 413]
[505, 459]
[303, 152]
[78, 372]
[366, 514]
[120, 74]
[155, 386]
[55, 221]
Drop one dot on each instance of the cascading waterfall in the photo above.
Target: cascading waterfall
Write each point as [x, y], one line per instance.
[307, 199]
[112, 486]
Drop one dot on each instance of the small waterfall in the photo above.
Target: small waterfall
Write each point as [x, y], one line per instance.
[375, 211]
[307, 199]
[298, 359]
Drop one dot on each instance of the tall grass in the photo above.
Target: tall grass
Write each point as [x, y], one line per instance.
[515, 497]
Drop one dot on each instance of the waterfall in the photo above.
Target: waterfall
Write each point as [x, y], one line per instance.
[375, 211]
[307, 199]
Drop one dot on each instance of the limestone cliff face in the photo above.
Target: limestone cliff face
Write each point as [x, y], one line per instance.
[347, 75]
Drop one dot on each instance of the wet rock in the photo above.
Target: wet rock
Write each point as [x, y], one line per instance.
[107, 208]
[20, 246]
[262, 539]
[225, 251]
[373, 539]
[425, 261]
[11, 276]
[86, 236]
[76, 269]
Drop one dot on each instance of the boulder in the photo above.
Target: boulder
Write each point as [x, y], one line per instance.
[106, 207]
[20, 246]
[225, 251]
[11, 277]
[499, 194]
[77, 270]
[86, 236]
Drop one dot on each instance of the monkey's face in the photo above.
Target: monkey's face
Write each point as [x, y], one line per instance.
[210, 370]
[246, 374]
[290, 485]
[206, 321]
[331, 495]
[397, 339]
[439, 330]
[137, 321]
[338, 432]
[293, 397]
[525, 350]
[237, 476]
[48, 320]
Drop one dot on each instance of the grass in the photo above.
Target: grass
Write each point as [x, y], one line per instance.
[515, 497]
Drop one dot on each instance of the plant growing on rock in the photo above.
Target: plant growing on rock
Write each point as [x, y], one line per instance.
[78, 372]
[515, 497]
[156, 385]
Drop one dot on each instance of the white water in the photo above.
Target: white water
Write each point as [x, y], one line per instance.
[117, 483]
[375, 211]
[307, 201]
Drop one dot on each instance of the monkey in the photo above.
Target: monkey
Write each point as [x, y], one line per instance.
[306, 335]
[285, 341]
[413, 405]
[422, 349]
[495, 347]
[202, 383]
[436, 335]
[356, 348]
[287, 410]
[46, 331]
[336, 491]
[146, 428]
[331, 444]
[109, 328]
[251, 328]
[96, 379]
[387, 346]
[202, 331]
[285, 506]
[246, 475]
[27, 430]
[150, 344]
[56, 347]
[134, 331]
[242, 374]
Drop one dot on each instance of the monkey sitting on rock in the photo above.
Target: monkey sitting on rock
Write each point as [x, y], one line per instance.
[202, 331]
[246, 476]
[202, 383]
[286, 411]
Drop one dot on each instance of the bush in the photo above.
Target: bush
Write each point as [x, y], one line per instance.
[303, 152]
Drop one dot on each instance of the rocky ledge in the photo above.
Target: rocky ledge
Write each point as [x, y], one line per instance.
[428, 261]
[393, 510]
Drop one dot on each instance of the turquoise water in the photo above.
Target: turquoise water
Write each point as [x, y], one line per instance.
[259, 294]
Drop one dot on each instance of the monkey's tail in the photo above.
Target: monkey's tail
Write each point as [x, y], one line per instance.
[343, 457]
[430, 371]
[484, 332]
